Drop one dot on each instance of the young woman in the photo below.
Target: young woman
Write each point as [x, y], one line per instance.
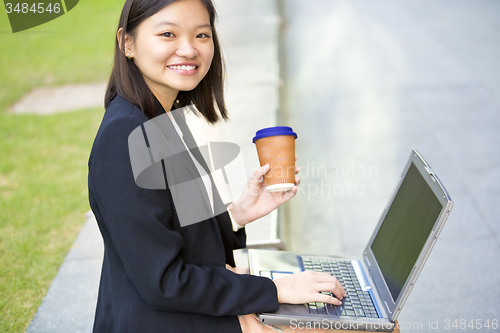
[158, 276]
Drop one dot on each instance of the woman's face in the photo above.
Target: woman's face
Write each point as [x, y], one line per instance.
[173, 49]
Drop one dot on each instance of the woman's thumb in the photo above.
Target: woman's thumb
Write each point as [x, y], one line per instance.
[264, 169]
[260, 172]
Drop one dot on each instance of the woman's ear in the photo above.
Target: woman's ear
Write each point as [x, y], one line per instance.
[127, 42]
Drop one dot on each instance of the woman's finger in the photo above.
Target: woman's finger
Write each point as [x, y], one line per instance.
[282, 197]
[334, 288]
[328, 281]
[297, 170]
[328, 299]
[290, 194]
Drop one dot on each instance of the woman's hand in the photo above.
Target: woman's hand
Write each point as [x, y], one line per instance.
[306, 287]
[238, 270]
[256, 201]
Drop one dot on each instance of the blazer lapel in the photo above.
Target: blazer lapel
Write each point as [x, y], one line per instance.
[167, 145]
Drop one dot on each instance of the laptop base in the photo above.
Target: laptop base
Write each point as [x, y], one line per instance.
[269, 263]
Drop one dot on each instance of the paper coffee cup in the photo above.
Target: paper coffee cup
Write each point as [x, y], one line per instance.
[276, 146]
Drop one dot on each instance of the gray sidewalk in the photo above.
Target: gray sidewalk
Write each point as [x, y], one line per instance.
[249, 34]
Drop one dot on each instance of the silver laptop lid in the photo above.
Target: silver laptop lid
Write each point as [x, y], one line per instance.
[406, 233]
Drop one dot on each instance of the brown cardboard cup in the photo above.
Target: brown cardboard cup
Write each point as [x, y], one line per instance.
[279, 152]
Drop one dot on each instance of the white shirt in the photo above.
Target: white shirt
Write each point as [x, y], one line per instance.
[204, 176]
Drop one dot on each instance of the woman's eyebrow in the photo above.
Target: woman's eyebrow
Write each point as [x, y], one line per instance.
[171, 23]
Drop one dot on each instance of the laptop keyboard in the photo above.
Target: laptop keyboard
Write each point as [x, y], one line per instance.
[358, 303]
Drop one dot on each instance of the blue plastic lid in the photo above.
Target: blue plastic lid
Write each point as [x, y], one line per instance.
[274, 131]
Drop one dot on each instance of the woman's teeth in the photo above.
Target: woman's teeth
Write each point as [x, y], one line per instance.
[184, 68]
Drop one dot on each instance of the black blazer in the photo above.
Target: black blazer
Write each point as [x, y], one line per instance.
[156, 275]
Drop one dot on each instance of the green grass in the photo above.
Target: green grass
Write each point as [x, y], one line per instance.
[43, 159]
[74, 48]
[43, 196]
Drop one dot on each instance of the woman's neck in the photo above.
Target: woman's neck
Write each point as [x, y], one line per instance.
[166, 98]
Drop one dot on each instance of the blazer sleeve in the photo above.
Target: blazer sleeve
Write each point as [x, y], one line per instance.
[137, 220]
[231, 240]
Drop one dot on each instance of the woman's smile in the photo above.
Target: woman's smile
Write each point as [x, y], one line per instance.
[184, 68]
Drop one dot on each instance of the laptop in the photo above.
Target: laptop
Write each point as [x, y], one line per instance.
[378, 284]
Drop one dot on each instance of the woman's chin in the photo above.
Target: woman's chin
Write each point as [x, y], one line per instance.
[186, 87]
[181, 85]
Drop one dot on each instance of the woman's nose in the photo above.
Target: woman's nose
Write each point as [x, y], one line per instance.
[187, 50]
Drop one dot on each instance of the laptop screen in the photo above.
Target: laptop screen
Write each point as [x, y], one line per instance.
[405, 229]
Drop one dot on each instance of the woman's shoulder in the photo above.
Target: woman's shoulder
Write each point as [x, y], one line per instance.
[120, 110]
[120, 119]
[121, 116]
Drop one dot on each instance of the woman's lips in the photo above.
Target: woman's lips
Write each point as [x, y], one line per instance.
[184, 69]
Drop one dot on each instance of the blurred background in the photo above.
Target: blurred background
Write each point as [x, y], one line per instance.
[362, 82]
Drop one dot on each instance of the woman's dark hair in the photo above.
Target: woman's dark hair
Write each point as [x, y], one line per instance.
[126, 80]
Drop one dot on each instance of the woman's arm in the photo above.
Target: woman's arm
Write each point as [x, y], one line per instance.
[138, 222]
[231, 240]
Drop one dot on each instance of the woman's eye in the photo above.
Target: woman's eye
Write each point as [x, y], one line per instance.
[168, 34]
[203, 36]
